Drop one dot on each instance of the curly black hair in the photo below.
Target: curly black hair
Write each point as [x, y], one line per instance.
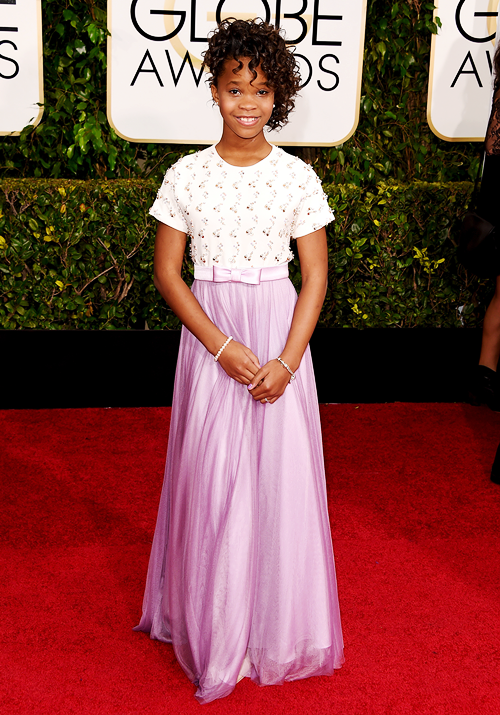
[234, 39]
[496, 69]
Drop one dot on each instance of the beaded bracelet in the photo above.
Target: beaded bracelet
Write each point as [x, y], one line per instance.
[216, 357]
[287, 367]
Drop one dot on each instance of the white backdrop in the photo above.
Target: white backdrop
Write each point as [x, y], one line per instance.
[460, 73]
[21, 64]
[154, 95]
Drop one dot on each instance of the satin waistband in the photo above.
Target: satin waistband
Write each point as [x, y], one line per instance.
[217, 274]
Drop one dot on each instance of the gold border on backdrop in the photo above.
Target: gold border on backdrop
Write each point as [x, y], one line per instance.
[108, 96]
[491, 6]
[191, 141]
[38, 118]
[360, 77]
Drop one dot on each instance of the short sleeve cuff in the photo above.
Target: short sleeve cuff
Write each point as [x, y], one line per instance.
[313, 221]
[161, 212]
[166, 207]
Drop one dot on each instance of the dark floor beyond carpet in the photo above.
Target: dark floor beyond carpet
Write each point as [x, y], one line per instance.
[415, 523]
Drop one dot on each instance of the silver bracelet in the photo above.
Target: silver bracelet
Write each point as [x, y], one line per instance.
[216, 357]
[287, 367]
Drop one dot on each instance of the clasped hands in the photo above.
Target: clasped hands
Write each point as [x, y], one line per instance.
[265, 384]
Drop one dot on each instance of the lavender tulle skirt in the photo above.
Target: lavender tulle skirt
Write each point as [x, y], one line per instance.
[241, 577]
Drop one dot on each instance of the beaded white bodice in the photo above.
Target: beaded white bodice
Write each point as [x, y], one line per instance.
[241, 217]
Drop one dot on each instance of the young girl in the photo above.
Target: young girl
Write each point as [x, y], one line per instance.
[241, 578]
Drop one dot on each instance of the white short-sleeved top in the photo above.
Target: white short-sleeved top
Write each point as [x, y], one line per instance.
[241, 217]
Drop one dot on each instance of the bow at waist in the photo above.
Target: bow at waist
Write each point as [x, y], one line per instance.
[254, 276]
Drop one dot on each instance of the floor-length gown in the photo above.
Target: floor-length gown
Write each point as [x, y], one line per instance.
[241, 570]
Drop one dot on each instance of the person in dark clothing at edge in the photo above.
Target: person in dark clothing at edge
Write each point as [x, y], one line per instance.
[485, 388]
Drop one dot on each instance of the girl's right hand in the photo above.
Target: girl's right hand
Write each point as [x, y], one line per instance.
[239, 362]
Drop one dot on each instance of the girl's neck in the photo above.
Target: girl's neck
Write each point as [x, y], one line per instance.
[243, 152]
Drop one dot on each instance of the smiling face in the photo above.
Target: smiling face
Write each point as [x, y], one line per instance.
[245, 103]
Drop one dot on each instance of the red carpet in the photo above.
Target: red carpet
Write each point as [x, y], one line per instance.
[415, 522]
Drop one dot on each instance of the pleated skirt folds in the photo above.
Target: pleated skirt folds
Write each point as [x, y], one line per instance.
[241, 578]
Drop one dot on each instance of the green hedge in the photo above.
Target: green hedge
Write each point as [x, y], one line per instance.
[77, 254]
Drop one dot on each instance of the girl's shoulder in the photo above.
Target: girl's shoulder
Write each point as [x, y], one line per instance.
[192, 162]
[296, 168]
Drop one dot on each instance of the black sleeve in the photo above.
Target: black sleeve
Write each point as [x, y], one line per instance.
[489, 196]
[492, 143]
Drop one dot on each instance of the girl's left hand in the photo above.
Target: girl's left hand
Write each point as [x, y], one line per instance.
[269, 382]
